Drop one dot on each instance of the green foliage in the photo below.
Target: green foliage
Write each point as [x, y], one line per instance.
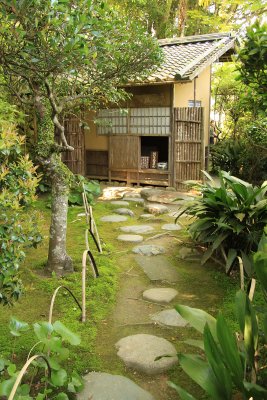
[233, 363]
[245, 156]
[51, 339]
[252, 56]
[79, 185]
[18, 181]
[230, 219]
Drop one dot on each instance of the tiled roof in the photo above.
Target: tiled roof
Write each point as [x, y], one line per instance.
[185, 58]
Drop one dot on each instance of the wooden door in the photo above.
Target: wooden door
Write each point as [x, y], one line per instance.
[75, 160]
[124, 152]
[188, 145]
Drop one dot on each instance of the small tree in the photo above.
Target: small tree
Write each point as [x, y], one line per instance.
[59, 56]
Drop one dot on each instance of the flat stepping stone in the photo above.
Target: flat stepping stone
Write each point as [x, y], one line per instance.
[156, 209]
[119, 203]
[139, 352]
[113, 218]
[160, 295]
[171, 227]
[157, 268]
[138, 200]
[130, 238]
[132, 195]
[169, 318]
[137, 229]
[146, 216]
[124, 211]
[148, 250]
[103, 386]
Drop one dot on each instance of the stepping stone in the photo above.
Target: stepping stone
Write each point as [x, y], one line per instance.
[124, 211]
[157, 268]
[139, 352]
[137, 229]
[169, 318]
[132, 195]
[148, 192]
[156, 209]
[138, 200]
[130, 238]
[160, 295]
[189, 254]
[81, 215]
[119, 203]
[146, 216]
[148, 250]
[171, 227]
[113, 218]
[103, 386]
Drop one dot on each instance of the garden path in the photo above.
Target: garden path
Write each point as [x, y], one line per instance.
[155, 274]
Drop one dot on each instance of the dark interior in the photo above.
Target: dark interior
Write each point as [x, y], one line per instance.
[155, 143]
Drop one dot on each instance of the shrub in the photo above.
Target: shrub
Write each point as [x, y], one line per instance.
[79, 185]
[230, 219]
[18, 181]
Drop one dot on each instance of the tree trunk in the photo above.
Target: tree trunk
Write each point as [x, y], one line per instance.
[58, 259]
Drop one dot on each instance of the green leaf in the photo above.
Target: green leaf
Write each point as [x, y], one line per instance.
[195, 343]
[200, 372]
[17, 327]
[214, 357]
[260, 265]
[247, 262]
[59, 377]
[232, 254]
[6, 386]
[197, 318]
[255, 390]
[250, 332]
[240, 305]
[66, 334]
[42, 330]
[182, 393]
[230, 351]
[61, 396]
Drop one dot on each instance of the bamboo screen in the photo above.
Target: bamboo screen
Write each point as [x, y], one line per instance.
[134, 121]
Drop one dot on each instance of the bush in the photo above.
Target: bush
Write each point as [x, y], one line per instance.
[79, 185]
[230, 219]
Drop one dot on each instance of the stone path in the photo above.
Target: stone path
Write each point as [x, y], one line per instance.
[142, 352]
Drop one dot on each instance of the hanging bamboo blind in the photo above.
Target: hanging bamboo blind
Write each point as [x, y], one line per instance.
[134, 121]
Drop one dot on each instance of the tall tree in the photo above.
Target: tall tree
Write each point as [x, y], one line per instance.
[59, 55]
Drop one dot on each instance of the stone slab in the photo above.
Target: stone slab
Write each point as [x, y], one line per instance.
[156, 209]
[103, 386]
[169, 318]
[167, 197]
[113, 218]
[157, 268]
[130, 238]
[146, 216]
[160, 295]
[189, 254]
[148, 250]
[171, 227]
[138, 200]
[137, 229]
[124, 211]
[119, 203]
[139, 352]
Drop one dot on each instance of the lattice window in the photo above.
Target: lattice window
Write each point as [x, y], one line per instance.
[134, 121]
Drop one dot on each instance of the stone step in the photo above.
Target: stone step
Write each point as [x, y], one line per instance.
[130, 238]
[157, 268]
[160, 295]
[103, 386]
[113, 218]
[148, 250]
[169, 318]
[124, 211]
[140, 351]
[137, 229]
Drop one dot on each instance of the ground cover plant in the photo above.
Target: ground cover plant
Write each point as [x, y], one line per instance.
[234, 364]
[229, 219]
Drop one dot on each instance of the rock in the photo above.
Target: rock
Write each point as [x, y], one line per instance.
[139, 352]
[169, 318]
[138, 200]
[113, 218]
[103, 386]
[157, 269]
[170, 189]
[81, 215]
[148, 192]
[119, 203]
[169, 197]
[171, 227]
[160, 295]
[130, 238]
[146, 216]
[189, 254]
[132, 194]
[156, 209]
[137, 229]
[124, 211]
[148, 250]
